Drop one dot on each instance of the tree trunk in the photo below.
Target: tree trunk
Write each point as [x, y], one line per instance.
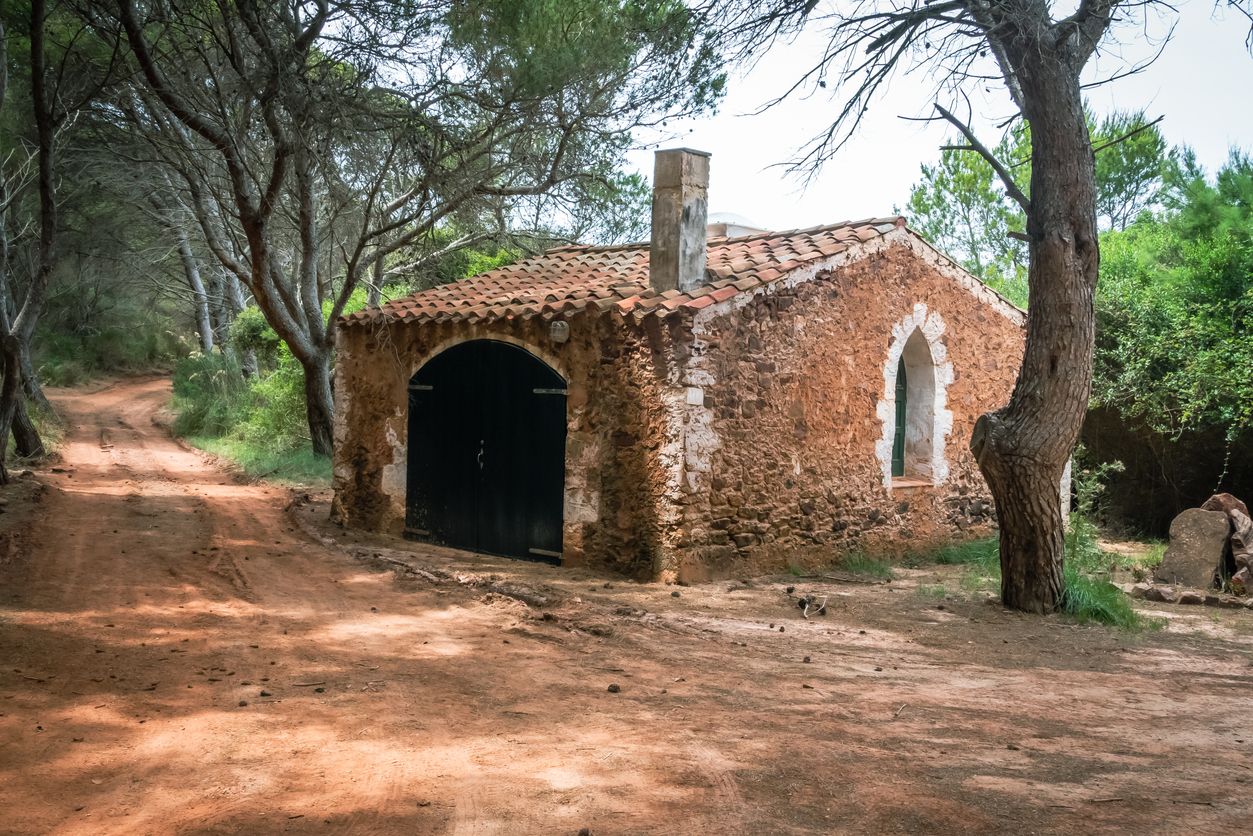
[20, 329]
[1022, 449]
[191, 270]
[374, 294]
[26, 440]
[233, 302]
[31, 386]
[319, 405]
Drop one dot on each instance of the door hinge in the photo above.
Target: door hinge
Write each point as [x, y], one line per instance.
[550, 391]
[420, 387]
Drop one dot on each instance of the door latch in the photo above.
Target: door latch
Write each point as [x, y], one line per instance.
[480, 456]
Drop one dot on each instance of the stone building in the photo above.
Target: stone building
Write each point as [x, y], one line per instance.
[690, 407]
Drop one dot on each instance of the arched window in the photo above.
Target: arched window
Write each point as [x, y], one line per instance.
[913, 409]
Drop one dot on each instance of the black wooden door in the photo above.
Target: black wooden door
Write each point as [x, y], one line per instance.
[486, 467]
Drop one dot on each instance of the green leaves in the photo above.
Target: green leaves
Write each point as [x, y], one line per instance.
[960, 204]
[1175, 307]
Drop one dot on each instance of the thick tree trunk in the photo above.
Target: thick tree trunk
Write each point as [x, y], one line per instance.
[10, 397]
[26, 440]
[31, 386]
[1023, 448]
[319, 404]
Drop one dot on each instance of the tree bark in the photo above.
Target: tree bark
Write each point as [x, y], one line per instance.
[19, 329]
[374, 294]
[319, 404]
[10, 397]
[1022, 449]
[26, 440]
[191, 270]
[30, 380]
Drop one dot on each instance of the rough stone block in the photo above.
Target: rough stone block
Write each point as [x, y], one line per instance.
[1197, 542]
[1224, 502]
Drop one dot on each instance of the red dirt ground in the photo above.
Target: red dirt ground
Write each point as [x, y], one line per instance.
[157, 596]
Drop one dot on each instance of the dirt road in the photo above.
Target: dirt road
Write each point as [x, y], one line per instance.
[178, 653]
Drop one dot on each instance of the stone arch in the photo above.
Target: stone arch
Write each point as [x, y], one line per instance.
[550, 358]
[917, 345]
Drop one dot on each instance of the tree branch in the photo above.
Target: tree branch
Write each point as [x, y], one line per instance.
[1007, 179]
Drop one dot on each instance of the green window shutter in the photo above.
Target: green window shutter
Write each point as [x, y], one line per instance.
[898, 440]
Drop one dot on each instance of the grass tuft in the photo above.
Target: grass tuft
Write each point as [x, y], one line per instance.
[300, 466]
[863, 564]
[983, 552]
[1089, 595]
[1093, 599]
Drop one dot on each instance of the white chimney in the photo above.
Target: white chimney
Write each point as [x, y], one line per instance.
[680, 207]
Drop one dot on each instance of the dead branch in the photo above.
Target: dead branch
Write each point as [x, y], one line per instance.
[1007, 179]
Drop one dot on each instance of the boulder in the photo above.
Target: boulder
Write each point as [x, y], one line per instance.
[1241, 539]
[1198, 540]
[1224, 502]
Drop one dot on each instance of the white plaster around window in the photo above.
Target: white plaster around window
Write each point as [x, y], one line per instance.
[927, 329]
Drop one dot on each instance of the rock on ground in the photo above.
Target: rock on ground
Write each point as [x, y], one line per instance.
[1198, 539]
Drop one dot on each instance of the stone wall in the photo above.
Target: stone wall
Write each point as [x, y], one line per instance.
[785, 451]
[754, 435]
[616, 435]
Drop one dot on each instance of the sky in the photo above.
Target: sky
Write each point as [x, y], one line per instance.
[1201, 84]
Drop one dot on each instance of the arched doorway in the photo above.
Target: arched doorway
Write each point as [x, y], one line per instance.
[486, 452]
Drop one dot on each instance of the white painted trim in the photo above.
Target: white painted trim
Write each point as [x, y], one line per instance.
[931, 326]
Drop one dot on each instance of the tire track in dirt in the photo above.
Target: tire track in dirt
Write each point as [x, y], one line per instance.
[727, 800]
[466, 814]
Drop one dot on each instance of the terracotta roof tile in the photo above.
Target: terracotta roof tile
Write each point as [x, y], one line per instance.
[568, 279]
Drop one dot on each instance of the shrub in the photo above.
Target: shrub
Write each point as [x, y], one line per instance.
[68, 359]
[210, 395]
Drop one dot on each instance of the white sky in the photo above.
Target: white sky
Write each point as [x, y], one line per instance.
[1201, 83]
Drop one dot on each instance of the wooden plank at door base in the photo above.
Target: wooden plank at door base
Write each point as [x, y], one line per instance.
[545, 553]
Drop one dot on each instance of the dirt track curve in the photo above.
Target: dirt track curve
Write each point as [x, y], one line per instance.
[178, 653]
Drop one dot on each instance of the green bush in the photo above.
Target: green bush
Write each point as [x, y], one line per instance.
[298, 465]
[250, 332]
[276, 412]
[260, 422]
[68, 359]
[210, 395]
